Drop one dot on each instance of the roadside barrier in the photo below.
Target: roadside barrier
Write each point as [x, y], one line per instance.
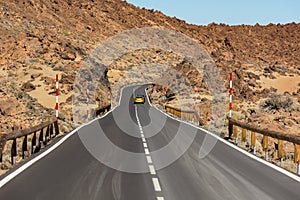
[233, 134]
[184, 114]
[38, 137]
[103, 109]
[281, 137]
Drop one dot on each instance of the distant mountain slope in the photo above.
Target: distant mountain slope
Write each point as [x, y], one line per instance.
[40, 38]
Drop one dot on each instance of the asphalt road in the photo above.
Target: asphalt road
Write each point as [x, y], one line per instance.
[94, 163]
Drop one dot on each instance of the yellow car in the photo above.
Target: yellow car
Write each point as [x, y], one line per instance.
[140, 98]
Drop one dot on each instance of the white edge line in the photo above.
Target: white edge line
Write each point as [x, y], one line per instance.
[279, 169]
[12, 175]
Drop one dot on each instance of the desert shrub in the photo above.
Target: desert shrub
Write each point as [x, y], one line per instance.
[277, 102]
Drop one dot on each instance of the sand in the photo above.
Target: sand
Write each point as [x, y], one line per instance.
[281, 83]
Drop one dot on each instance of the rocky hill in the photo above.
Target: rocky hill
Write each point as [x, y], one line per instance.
[42, 38]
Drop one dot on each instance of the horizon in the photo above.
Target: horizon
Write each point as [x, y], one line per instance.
[230, 12]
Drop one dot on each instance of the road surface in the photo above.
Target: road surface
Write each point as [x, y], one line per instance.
[73, 171]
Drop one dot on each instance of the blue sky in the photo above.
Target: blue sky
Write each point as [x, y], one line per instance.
[227, 11]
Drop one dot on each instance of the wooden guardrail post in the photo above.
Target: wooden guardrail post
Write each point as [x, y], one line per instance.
[179, 114]
[13, 150]
[244, 135]
[280, 150]
[235, 134]
[51, 131]
[297, 157]
[41, 138]
[230, 129]
[56, 128]
[47, 134]
[265, 146]
[2, 144]
[24, 146]
[190, 116]
[253, 142]
[33, 142]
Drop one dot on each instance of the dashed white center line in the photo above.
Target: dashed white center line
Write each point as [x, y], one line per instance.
[152, 170]
[145, 145]
[149, 160]
[156, 184]
[147, 151]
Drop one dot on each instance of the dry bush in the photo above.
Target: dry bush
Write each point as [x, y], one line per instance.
[277, 102]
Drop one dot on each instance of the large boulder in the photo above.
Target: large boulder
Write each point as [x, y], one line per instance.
[27, 87]
[10, 106]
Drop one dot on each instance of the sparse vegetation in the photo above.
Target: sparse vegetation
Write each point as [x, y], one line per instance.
[277, 102]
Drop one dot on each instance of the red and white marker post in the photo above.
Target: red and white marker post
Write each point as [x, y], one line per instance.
[165, 94]
[56, 97]
[195, 104]
[194, 108]
[230, 96]
[230, 102]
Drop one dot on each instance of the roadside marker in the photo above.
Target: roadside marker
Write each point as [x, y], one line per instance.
[56, 92]
[230, 96]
